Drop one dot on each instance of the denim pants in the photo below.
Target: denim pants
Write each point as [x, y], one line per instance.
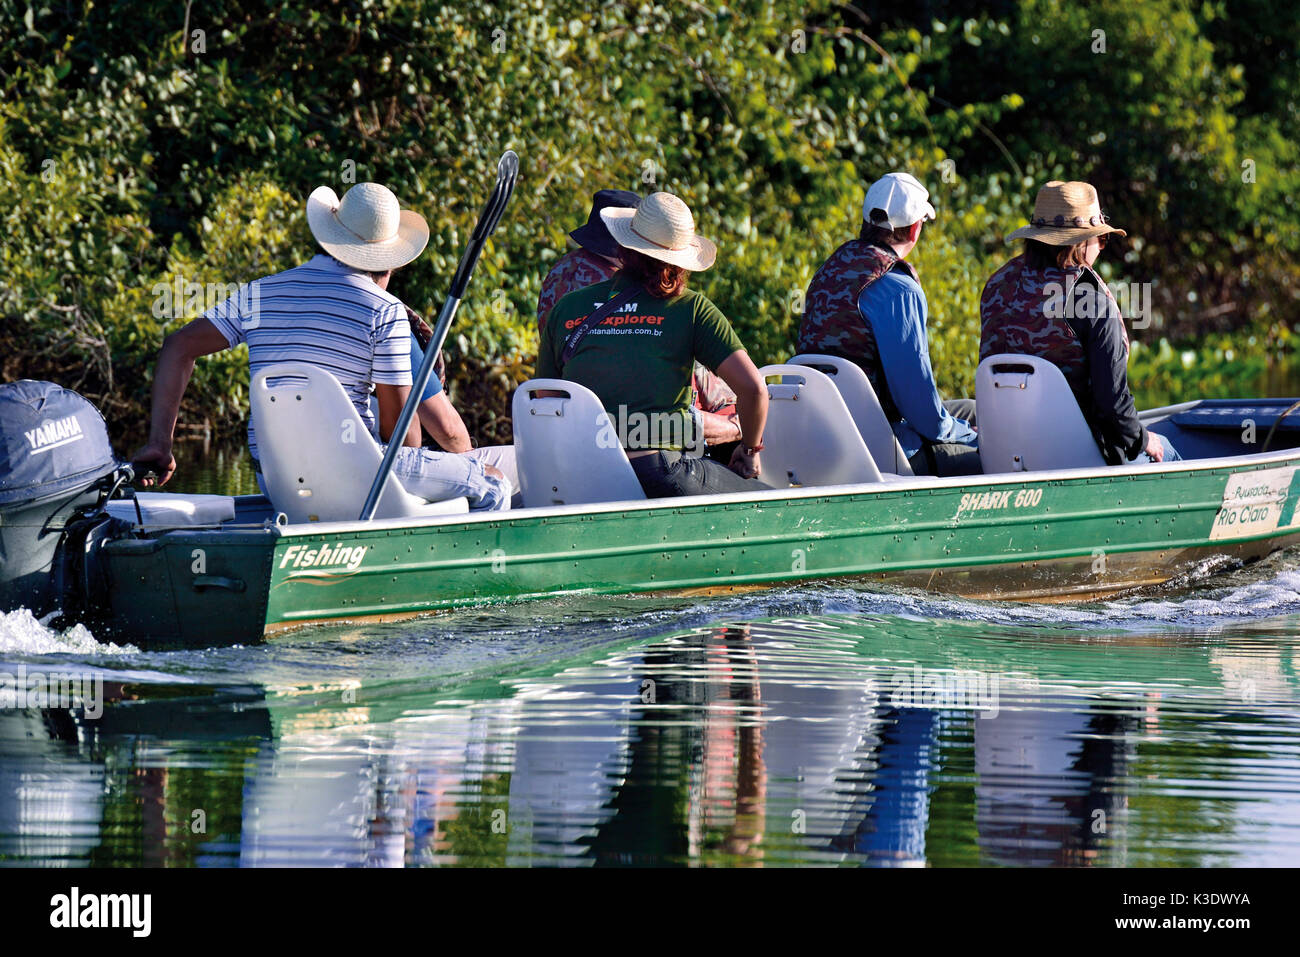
[667, 474]
[437, 476]
[1171, 453]
[950, 458]
[501, 457]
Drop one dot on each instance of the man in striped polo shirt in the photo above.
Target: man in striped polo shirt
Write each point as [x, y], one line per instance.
[335, 313]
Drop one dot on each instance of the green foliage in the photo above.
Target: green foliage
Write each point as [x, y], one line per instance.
[252, 228]
[478, 834]
[1172, 110]
[1219, 366]
[138, 153]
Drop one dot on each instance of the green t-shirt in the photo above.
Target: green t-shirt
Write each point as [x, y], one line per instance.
[638, 360]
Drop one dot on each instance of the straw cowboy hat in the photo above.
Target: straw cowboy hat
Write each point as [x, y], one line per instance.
[663, 228]
[1065, 214]
[368, 229]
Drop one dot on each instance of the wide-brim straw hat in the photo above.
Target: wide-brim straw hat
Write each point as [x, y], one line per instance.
[368, 229]
[1065, 214]
[663, 228]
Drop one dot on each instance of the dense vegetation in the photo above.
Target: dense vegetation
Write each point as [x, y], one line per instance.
[143, 143]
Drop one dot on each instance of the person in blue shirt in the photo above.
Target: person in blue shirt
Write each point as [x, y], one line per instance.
[938, 437]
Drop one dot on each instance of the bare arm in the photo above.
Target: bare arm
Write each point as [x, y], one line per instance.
[444, 423]
[391, 399]
[171, 376]
[740, 373]
[441, 420]
[719, 429]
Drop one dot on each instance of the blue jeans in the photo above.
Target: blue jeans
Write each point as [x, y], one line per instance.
[1171, 453]
[668, 474]
[437, 476]
[949, 458]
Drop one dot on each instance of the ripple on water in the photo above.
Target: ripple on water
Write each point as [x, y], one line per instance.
[838, 723]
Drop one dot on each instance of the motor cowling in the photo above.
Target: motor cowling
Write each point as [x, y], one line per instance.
[55, 462]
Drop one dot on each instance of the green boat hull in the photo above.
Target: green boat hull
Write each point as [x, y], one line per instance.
[1053, 536]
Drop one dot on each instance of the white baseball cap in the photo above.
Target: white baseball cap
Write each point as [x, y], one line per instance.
[902, 197]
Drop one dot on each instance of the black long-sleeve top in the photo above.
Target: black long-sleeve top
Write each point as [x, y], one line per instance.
[1104, 395]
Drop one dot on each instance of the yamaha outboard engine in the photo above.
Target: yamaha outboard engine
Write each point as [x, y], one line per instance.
[56, 466]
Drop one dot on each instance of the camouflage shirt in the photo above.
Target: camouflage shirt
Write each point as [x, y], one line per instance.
[1027, 311]
[1070, 318]
[578, 269]
[832, 324]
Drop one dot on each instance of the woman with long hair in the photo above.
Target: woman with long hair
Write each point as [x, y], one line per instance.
[633, 340]
[1048, 302]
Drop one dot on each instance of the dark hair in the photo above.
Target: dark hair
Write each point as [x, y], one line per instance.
[1044, 256]
[376, 276]
[659, 278]
[883, 235]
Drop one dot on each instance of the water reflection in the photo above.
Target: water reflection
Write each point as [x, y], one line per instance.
[51, 802]
[220, 469]
[859, 740]
[1051, 783]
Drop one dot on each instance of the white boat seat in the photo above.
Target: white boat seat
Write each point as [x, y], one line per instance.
[171, 510]
[318, 459]
[810, 438]
[567, 449]
[864, 406]
[1029, 420]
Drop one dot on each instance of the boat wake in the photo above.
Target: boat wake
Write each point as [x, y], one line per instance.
[1275, 597]
[1267, 591]
[469, 638]
[22, 633]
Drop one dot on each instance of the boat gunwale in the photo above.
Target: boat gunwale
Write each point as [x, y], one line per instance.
[782, 495]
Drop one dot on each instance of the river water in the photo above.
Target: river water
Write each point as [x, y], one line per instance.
[834, 724]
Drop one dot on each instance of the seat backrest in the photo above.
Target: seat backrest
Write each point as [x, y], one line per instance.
[567, 449]
[864, 406]
[810, 438]
[318, 459]
[1029, 420]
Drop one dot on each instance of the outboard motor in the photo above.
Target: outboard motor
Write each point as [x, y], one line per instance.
[56, 468]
